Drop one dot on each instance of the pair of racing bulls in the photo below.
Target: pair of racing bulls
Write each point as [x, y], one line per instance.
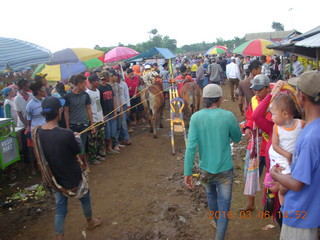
[153, 102]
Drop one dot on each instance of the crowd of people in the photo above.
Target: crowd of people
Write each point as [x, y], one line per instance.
[94, 106]
[278, 140]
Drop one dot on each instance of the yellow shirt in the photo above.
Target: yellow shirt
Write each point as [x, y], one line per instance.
[194, 68]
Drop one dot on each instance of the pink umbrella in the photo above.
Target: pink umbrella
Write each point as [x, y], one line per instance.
[119, 53]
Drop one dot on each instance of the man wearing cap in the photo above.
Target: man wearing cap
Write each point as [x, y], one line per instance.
[211, 130]
[301, 209]
[60, 148]
[165, 76]
[261, 88]
[233, 74]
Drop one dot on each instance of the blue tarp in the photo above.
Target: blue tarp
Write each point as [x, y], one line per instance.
[15, 53]
[164, 52]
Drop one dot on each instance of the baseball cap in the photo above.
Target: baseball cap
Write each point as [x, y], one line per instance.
[232, 58]
[147, 66]
[39, 76]
[212, 91]
[260, 81]
[52, 104]
[293, 81]
[309, 83]
[93, 77]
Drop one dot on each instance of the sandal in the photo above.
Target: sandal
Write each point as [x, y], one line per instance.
[113, 152]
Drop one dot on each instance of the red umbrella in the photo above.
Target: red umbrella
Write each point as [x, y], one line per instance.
[119, 53]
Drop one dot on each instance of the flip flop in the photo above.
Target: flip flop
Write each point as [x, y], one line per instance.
[113, 152]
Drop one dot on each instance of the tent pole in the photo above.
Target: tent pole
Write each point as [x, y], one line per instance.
[317, 58]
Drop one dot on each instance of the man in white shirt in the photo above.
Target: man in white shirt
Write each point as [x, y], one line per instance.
[96, 145]
[233, 74]
[297, 67]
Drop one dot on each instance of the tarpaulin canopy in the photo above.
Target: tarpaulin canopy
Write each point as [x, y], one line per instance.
[15, 53]
[164, 52]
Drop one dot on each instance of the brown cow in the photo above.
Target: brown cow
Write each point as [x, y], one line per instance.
[191, 95]
[153, 102]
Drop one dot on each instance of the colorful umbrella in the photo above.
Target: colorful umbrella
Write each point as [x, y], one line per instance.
[119, 53]
[74, 55]
[60, 71]
[94, 62]
[216, 50]
[256, 47]
[15, 53]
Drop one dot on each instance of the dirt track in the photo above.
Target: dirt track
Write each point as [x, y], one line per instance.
[140, 194]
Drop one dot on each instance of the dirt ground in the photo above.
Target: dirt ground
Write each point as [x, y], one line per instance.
[140, 195]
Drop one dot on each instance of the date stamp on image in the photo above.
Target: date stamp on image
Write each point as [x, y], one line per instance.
[254, 215]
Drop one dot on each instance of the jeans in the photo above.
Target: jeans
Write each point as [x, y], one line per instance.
[62, 210]
[118, 120]
[124, 134]
[218, 189]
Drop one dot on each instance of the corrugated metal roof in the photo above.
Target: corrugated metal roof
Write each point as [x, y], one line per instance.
[313, 42]
[307, 34]
[16, 53]
[268, 35]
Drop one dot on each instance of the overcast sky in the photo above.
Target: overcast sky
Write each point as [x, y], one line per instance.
[60, 24]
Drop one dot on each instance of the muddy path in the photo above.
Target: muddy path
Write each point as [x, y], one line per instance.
[140, 195]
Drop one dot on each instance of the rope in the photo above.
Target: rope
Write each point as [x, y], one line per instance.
[115, 116]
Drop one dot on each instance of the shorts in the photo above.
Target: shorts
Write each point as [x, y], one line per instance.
[134, 102]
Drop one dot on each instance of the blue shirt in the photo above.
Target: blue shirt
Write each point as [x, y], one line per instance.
[211, 130]
[33, 112]
[305, 168]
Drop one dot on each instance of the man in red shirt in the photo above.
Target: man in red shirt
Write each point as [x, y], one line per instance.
[133, 83]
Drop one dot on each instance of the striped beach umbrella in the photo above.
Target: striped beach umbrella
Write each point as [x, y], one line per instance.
[256, 47]
[217, 50]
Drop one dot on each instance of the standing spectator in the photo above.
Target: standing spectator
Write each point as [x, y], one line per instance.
[133, 84]
[96, 145]
[113, 76]
[77, 110]
[255, 160]
[20, 102]
[297, 67]
[241, 68]
[60, 92]
[245, 92]
[213, 142]
[277, 69]
[42, 78]
[265, 66]
[301, 209]
[64, 167]
[156, 68]
[8, 105]
[223, 63]
[233, 75]
[215, 72]
[165, 76]
[108, 105]
[125, 99]
[177, 72]
[33, 114]
[200, 74]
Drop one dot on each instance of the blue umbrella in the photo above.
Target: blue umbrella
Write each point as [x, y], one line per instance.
[16, 53]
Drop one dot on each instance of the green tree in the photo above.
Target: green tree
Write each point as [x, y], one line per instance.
[277, 26]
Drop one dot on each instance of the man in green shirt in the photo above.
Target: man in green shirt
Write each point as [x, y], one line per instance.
[211, 130]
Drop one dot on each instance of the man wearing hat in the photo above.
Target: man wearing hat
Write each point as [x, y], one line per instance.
[211, 129]
[261, 88]
[42, 78]
[233, 74]
[60, 147]
[301, 209]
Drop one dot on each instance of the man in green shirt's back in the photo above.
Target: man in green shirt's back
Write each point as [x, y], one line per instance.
[211, 129]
